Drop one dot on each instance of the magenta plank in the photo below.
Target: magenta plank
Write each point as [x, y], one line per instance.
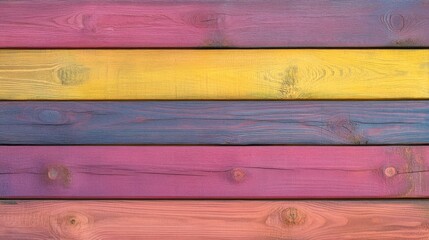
[214, 171]
[216, 23]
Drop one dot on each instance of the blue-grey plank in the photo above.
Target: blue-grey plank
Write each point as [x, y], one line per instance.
[214, 122]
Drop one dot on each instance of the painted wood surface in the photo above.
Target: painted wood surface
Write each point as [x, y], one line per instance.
[213, 74]
[214, 122]
[214, 172]
[253, 220]
[215, 23]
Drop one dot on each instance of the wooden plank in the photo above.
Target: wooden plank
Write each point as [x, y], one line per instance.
[215, 23]
[213, 74]
[215, 122]
[188, 220]
[214, 172]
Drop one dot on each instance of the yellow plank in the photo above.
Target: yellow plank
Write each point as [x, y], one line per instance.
[214, 74]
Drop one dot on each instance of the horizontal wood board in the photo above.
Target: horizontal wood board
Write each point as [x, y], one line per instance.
[215, 23]
[214, 122]
[264, 74]
[195, 220]
[214, 172]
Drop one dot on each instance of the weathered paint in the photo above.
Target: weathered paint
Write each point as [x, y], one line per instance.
[213, 74]
[214, 172]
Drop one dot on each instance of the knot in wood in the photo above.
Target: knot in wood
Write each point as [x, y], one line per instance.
[238, 175]
[292, 216]
[394, 22]
[59, 174]
[52, 173]
[73, 75]
[346, 129]
[390, 171]
[69, 225]
[50, 116]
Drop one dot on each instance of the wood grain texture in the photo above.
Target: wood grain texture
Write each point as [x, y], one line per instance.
[214, 122]
[213, 74]
[214, 172]
[214, 23]
[185, 220]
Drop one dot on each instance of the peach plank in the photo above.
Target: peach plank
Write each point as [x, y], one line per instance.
[214, 172]
[195, 220]
[216, 23]
[215, 122]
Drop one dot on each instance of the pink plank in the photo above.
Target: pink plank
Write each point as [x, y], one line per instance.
[214, 172]
[216, 23]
